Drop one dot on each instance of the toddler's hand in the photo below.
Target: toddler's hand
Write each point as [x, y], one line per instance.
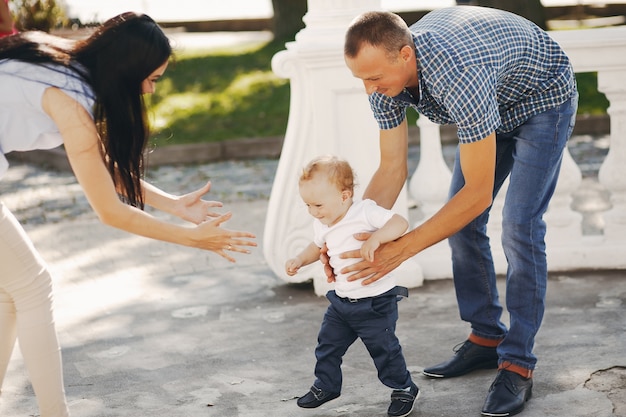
[292, 266]
[368, 248]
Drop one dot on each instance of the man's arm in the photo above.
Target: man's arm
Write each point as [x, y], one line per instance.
[477, 162]
[388, 180]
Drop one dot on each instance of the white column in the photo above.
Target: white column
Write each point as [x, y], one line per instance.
[564, 224]
[431, 179]
[429, 186]
[494, 230]
[613, 170]
[329, 114]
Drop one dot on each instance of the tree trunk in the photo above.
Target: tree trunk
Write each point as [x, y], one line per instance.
[288, 16]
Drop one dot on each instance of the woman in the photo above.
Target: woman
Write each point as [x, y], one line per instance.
[87, 96]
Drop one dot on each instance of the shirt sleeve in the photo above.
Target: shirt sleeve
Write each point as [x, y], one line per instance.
[388, 112]
[376, 215]
[318, 233]
[471, 101]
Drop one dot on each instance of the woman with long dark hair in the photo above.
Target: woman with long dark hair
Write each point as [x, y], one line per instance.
[88, 96]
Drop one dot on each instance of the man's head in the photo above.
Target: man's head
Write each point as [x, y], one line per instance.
[379, 50]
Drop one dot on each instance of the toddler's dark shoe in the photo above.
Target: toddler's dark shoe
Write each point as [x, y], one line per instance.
[402, 402]
[316, 397]
[469, 357]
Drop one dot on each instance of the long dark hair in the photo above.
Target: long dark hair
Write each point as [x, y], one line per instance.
[115, 60]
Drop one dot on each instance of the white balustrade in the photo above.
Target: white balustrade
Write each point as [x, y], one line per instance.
[613, 171]
[598, 50]
[329, 113]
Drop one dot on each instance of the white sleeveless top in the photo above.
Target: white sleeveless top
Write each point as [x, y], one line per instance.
[24, 125]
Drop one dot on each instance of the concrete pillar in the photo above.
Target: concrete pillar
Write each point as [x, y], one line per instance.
[612, 173]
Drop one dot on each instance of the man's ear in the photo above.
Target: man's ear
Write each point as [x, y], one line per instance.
[406, 53]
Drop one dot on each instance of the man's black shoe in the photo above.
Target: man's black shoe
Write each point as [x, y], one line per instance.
[402, 402]
[316, 397]
[507, 395]
[469, 357]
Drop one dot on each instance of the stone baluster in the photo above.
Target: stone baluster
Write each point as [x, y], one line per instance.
[596, 50]
[429, 186]
[431, 179]
[564, 233]
[564, 224]
[612, 173]
[494, 230]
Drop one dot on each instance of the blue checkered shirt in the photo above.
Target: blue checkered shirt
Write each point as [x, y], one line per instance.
[483, 70]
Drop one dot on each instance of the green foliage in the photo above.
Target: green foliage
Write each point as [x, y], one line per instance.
[213, 96]
[41, 15]
[591, 101]
[208, 97]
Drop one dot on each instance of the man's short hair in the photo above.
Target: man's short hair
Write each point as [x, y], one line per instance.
[377, 28]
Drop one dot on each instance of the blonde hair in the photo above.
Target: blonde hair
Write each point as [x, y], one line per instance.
[338, 171]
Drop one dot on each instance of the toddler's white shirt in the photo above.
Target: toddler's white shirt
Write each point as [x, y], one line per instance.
[362, 216]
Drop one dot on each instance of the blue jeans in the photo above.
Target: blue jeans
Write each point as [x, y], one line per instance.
[531, 156]
[373, 320]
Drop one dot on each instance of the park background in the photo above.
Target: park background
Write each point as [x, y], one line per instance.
[220, 92]
[148, 329]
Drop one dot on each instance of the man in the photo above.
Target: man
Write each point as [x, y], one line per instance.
[511, 91]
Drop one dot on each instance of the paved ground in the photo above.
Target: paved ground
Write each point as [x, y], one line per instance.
[151, 328]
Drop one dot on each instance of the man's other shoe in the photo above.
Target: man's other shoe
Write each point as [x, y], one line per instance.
[507, 395]
[316, 397]
[469, 357]
[402, 402]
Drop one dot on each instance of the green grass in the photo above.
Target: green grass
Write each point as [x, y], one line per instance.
[222, 95]
[219, 95]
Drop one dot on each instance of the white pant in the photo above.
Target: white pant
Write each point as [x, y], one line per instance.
[26, 312]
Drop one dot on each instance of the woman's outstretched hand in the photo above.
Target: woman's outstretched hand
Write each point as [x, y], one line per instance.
[211, 236]
[192, 208]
